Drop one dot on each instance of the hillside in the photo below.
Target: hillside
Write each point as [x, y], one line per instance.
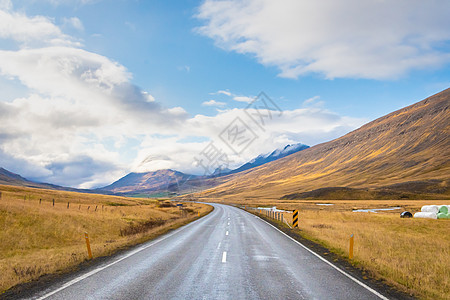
[10, 178]
[397, 153]
[13, 179]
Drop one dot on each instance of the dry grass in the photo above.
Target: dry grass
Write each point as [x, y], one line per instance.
[38, 239]
[411, 254]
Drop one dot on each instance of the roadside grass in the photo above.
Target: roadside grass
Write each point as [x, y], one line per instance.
[410, 254]
[38, 239]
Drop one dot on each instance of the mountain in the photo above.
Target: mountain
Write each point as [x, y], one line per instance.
[396, 155]
[265, 158]
[161, 180]
[9, 178]
[177, 182]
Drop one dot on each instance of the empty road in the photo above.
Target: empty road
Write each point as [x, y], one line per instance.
[228, 254]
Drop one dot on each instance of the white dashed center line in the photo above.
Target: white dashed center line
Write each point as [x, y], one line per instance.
[224, 257]
[226, 233]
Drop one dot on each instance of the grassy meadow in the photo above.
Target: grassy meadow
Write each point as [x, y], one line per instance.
[410, 254]
[39, 238]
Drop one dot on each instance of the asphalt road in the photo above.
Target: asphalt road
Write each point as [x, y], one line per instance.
[229, 254]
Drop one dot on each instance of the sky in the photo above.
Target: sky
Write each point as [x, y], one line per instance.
[91, 90]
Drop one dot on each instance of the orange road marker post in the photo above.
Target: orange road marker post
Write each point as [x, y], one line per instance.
[88, 245]
[350, 252]
[295, 219]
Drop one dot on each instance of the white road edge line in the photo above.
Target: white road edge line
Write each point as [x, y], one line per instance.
[326, 261]
[224, 256]
[80, 278]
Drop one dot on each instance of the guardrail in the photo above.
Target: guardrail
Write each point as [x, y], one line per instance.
[282, 216]
[289, 218]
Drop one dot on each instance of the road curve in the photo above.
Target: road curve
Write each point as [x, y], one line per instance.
[228, 254]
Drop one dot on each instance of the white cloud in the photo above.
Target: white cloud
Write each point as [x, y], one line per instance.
[185, 68]
[235, 97]
[74, 22]
[131, 26]
[352, 39]
[227, 93]
[71, 2]
[311, 100]
[213, 102]
[314, 101]
[243, 99]
[5, 4]
[33, 31]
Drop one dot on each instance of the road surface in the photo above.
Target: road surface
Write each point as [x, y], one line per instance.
[228, 254]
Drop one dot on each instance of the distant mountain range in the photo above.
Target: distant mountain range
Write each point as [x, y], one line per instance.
[160, 181]
[265, 158]
[396, 156]
[178, 182]
[155, 181]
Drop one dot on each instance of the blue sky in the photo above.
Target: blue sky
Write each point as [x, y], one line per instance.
[91, 90]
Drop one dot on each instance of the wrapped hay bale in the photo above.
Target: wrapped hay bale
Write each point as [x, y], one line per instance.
[443, 209]
[443, 216]
[425, 215]
[430, 208]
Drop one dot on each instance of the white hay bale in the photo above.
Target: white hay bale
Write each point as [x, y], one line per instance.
[425, 215]
[430, 208]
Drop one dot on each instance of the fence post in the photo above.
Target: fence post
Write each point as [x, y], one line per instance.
[350, 252]
[88, 245]
[53, 202]
[68, 203]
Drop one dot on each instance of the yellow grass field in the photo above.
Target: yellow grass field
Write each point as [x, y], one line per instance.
[38, 238]
[411, 254]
